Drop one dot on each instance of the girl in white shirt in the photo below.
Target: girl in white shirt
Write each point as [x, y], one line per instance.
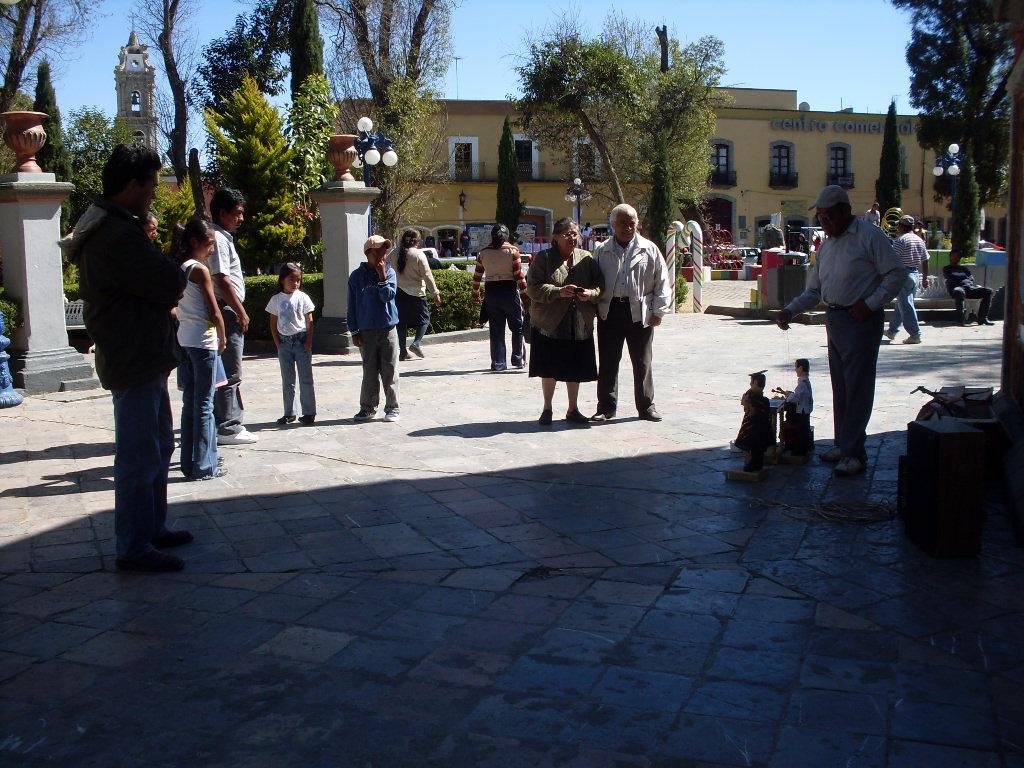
[291, 325]
[202, 339]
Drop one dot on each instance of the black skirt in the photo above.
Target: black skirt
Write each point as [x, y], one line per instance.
[562, 359]
[413, 311]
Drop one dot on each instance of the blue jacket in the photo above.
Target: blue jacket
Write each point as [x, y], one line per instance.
[371, 303]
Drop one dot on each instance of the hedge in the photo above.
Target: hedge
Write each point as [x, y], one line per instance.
[12, 313]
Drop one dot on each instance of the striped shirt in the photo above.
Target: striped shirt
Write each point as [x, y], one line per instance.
[911, 250]
[502, 263]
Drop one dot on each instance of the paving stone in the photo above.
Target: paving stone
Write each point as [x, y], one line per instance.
[727, 698]
[716, 579]
[522, 716]
[49, 639]
[698, 601]
[114, 649]
[278, 607]
[687, 659]
[576, 644]
[839, 711]
[805, 746]
[766, 635]
[643, 690]
[628, 730]
[720, 740]
[554, 678]
[694, 628]
[912, 754]
[379, 657]
[944, 724]
[600, 618]
[418, 625]
[622, 592]
[462, 667]
[306, 644]
[755, 666]
[525, 608]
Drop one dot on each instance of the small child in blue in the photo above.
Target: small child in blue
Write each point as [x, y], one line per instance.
[372, 317]
[291, 325]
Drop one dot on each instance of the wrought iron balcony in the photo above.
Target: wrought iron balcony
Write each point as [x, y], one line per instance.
[468, 171]
[720, 178]
[844, 180]
[783, 180]
[527, 171]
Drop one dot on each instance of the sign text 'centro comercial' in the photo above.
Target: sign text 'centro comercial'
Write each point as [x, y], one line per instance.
[839, 126]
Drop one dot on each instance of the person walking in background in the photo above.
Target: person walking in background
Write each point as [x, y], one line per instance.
[873, 215]
[129, 289]
[856, 274]
[415, 280]
[227, 207]
[202, 338]
[636, 295]
[372, 317]
[914, 255]
[961, 286]
[291, 325]
[564, 284]
[465, 244]
[152, 226]
[503, 297]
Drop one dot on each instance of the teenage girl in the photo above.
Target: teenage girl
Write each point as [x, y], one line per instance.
[291, 324]
[202, 339]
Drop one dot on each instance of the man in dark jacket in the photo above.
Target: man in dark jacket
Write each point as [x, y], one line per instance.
[129, 289]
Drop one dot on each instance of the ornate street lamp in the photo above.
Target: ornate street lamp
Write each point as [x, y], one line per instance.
[949, 163]
[577, 193]
[462, 199]
[372, 148]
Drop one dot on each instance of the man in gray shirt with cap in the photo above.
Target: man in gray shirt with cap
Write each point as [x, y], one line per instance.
[857, 272]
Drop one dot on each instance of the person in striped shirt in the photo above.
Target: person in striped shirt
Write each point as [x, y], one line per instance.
[504, 297]
[912, 252]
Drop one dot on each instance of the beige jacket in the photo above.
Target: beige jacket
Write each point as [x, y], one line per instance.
[417, 274]
[646, 277]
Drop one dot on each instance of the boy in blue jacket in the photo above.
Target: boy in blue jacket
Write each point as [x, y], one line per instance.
[372, 317]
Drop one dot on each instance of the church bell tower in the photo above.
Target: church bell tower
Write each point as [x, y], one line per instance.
[136, 92]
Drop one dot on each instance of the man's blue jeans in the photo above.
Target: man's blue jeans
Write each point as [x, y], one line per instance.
[504, 307]
[292, 355]
[905, 313]
[143, 443]
[198, 428]
[227, 401]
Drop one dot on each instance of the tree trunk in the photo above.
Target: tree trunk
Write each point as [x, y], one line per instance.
[195, 180]
[22, 49]
[602, 149]
[179, 134]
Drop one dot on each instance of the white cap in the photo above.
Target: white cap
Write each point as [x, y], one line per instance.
[375, 241]
[831, 195]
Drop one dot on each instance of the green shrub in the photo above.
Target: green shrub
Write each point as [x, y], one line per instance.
[71, 292]
[12, 312]
[259, 290]
[457, 312]
[682, 288]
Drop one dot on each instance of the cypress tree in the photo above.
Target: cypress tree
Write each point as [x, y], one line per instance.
[889, 185]
[510, 207]
[966, 206]
[307, 47]
[659, 214]
[53, 157]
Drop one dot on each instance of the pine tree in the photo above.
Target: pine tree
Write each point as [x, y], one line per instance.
[966, 206]
[510, 207]
[307, 47]
[660, 213]
[53, 157]
[255, 157]
[889, 185]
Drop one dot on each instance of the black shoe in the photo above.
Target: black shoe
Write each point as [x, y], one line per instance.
[404, 357]
[169, 539]
[286, 420]
[985, 321]
[575, 417]
[651, 414]
[603, 416]
[308, 420]
[155, 562]
[545, 418]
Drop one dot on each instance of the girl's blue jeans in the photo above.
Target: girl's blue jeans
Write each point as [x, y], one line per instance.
[292, 355]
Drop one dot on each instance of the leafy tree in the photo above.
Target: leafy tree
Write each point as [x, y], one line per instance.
[960, 62]
[307, 47]
[612, 92]
[254, 47]
[90, 137]
[312, 119]
[889, 184]
[662, 208]
[31, 28]
[402, 49]
[255, 157]
[510, 207]
[966, 209]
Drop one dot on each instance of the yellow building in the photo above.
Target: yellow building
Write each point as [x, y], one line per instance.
[769, 154]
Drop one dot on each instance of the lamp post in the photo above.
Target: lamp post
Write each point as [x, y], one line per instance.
[949, 162]
[577, 193]
[372, 148]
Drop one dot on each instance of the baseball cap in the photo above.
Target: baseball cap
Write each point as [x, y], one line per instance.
[831, 195]
[907, 220]
[375, 241]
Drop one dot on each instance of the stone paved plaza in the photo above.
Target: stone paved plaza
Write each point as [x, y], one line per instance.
[465, 588]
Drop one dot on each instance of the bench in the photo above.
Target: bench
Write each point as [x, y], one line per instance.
[73, 319]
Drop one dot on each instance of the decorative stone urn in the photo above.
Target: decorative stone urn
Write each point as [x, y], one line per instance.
[341, 153]
[24, 134]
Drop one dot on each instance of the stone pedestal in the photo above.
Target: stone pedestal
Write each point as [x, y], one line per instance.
[345, 218]
[41, 360]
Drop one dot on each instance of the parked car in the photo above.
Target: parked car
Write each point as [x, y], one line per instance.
[989, 245]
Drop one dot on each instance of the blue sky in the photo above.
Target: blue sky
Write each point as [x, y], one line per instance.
[834, 53]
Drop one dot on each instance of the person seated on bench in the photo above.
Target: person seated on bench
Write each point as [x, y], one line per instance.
[960, 285]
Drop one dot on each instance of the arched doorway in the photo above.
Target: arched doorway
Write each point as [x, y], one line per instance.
[720, 213]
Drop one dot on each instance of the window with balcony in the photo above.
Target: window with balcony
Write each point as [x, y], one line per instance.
[840, 167]
[782, 173]
[463, 154]
[524, 159]
[722, 174]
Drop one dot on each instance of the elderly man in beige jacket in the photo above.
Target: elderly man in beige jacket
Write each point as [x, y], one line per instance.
[637, 294]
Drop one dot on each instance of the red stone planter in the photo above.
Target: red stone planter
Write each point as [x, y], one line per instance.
[341, 153]
[24, 134]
